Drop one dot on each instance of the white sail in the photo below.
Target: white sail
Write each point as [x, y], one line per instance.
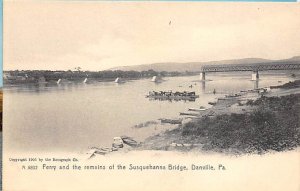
[58, 81]
[154, 79]
[85, 80]
[117, 80]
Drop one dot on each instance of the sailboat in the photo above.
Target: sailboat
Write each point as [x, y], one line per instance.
[156, 79]
[119, 80]
[85, 80]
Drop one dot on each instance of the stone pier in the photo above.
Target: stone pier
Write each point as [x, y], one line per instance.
[202, 76]
[255, 75]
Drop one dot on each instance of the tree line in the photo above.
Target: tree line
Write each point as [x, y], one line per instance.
[106, 74]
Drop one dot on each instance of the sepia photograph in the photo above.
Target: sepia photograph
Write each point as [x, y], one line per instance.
[151, 95]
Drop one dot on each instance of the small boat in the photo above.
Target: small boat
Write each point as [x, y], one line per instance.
[231, 96]
[212, 103]
[171, 121]
[100, 151]
[191, 114]
[85, 80]
[103, 151]
[129, 141]
[195, 109]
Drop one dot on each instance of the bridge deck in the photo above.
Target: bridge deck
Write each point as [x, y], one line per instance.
[262, 67]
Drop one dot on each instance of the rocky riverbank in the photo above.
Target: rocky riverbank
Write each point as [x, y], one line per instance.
[250, 123]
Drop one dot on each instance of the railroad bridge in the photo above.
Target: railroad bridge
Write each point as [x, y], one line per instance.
[255, 68]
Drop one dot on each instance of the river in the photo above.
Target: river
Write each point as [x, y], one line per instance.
[73, 117]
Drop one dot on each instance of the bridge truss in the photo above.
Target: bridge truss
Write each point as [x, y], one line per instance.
[262, 67]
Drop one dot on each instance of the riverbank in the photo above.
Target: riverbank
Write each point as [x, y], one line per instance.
[49, 77]
[250, 123]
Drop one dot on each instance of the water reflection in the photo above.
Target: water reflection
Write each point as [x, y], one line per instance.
[255, 84]
[184, 99]
[203, 86]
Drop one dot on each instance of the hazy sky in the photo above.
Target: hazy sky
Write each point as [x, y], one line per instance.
[100, 35]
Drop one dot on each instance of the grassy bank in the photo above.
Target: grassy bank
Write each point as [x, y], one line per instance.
[289, 85]
[272, 126]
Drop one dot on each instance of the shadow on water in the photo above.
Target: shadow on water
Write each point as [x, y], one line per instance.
[173, 100]
[203, 86]
[255, 84]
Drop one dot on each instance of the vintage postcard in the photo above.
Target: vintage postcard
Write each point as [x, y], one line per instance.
[152, 95]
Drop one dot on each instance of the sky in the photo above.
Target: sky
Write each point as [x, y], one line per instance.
[60, 35]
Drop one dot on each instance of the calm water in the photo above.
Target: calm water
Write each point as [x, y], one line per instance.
[77, 116]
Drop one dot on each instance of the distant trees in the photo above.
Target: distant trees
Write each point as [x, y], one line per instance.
[79, 74]
[78, 69]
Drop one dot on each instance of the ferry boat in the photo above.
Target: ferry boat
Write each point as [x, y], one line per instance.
[172, 95]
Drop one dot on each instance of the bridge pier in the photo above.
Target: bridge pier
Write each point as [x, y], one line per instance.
[202, 76]
[255, 75]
